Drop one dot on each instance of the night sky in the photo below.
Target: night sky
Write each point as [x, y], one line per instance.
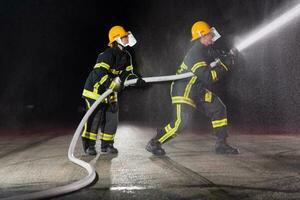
[48, 47]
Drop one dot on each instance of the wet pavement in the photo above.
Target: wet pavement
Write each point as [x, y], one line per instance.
[267, 168]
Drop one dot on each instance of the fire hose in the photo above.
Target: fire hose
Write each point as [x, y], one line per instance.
[87, 166]
[249, 40]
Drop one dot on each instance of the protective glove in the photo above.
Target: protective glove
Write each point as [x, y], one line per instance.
[116, 85]
[140, 83]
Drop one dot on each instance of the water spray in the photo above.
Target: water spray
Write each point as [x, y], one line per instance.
[269, 28]
[248, 41]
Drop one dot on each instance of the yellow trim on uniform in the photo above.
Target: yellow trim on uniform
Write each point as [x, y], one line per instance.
[89, 135]
[129, 68]
[90, 94]
[173, 130]
[103, 79]
[208, 96]
[107, 136]
[102, 64]
[189, 86]
[115, 72]
[185, 100]
[214, 75]
[183, 67]
[224, 66]
[219, 123]
[198, 65]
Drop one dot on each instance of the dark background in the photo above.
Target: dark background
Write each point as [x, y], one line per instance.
[48, 47]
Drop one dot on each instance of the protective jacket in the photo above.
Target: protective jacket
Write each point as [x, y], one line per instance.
[111, 63]
[197, 61]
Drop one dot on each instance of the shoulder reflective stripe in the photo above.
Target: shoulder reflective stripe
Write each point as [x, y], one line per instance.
[214, 75]
[197, 65]
[224, 66]
[208, 96]
[189, 86]
[185, 100]
[177, 124]
[219, 123]
[102, 64]
[129, 68]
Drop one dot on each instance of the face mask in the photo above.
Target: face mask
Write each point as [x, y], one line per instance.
[215, 33]
[131, 40]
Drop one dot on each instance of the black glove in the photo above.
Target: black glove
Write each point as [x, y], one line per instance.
[228, 60]
[140, 83]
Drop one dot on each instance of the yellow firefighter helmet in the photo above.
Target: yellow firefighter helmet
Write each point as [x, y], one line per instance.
[116, 32]
[199, 29]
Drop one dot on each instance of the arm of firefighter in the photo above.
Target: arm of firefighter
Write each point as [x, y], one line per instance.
[206, 74]
[128, 74]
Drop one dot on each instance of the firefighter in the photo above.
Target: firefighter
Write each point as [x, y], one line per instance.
[113, 67]
[192, 93]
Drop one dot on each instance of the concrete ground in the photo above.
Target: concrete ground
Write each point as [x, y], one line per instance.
[267, 168]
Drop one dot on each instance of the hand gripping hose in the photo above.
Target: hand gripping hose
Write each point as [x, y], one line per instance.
[89, 168]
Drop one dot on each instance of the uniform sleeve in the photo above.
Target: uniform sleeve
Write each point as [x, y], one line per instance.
[101, 68]
[129, 72]
[206, 74]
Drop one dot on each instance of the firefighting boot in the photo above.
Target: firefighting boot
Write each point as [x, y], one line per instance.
[154, 146]
[108, 147]
[90, 150]
[85, 143]
[223, 148]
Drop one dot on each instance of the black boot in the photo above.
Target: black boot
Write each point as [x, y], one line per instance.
[85, 143]
[108, 147]
[154, 147]
[89, 147]
[223, 148]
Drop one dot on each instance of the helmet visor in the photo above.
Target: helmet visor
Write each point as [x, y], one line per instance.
[216, 34]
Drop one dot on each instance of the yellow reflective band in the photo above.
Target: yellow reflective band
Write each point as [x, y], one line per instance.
[103, 79]
[87, 103]
[129, 68]
[208, 96]
[185, 100]
[102, 64]
[198, 65]
[115, 72]
[224, 66]
[90, 94]
[89, 135]
[107, 137]
[168, 128]
[189, 86]
[219, 123]
[173, 130]
[214, 75]
[182, 68]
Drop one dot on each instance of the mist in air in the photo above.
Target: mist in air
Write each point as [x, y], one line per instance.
[49, 47]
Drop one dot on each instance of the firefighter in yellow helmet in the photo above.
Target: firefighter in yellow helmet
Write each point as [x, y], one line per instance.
[113, 67]
[192, 93]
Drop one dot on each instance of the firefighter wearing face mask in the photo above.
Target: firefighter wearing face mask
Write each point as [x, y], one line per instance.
[192, 93]
[113, 67]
